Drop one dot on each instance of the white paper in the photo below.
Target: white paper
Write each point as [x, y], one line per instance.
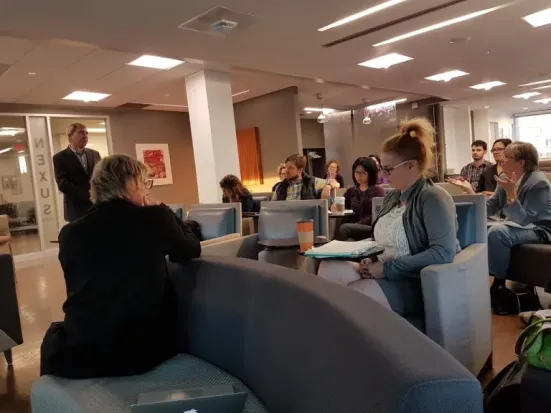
[342, 248]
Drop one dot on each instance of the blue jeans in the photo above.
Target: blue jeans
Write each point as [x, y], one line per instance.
[501, 238]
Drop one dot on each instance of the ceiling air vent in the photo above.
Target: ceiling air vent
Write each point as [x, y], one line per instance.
[219, 21]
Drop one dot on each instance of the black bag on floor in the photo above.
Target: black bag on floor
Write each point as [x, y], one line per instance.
[502, 394]
[515, 302]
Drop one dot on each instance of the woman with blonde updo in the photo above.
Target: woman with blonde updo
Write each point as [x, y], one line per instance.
[417, 226]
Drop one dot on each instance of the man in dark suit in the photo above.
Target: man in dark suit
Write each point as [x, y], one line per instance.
[73, 169]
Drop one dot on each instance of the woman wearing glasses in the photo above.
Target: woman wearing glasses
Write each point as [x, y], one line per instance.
[417, 226]
[487, 181]
[120, 313]
[359, 199]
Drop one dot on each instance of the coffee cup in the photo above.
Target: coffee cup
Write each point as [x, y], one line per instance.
[305, 231]
[339, 204]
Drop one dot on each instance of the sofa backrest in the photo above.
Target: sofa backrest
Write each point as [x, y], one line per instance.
[217, 220]
[179, 210]
[277, 220]
[303, 344]
[474, 218]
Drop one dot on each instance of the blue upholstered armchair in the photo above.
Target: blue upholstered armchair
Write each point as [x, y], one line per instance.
[457, 296]
[217, 220]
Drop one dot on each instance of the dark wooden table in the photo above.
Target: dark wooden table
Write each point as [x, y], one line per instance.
[288, 243]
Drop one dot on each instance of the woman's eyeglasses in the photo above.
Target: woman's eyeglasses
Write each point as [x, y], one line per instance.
[361, 173]
[148, 184]
[498, 149]
[388, 169]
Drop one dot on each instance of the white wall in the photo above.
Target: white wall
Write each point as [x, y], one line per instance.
[458, 137]
[504, 121]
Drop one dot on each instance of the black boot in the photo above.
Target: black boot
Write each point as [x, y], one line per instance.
[504, 301]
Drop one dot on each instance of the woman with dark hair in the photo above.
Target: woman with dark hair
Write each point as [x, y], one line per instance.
[381, 176]
[358, 198]
[234, 191]
[333, 172]
[487, 182]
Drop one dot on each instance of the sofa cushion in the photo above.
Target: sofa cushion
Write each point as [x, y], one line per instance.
[214, 222]
[531, 264]
[466, 220]
[116, 395]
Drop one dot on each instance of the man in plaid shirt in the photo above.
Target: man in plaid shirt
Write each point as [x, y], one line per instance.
[471, 172]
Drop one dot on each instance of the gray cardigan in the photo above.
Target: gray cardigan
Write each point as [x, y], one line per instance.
[533, 205]
[430, 222]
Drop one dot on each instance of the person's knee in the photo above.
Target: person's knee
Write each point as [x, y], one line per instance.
[499, 235]
[344, 232]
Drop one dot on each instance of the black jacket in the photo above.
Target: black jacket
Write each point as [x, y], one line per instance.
[487, 180]
[308, 190]
[74, 181]
[120, 313]
[247, 203]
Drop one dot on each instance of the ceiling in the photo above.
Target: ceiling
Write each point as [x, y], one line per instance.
[87, 47]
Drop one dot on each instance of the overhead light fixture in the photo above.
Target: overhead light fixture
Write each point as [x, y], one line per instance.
[537, 83]
[361, 14]
[385, 104]
[11, 131]
[323, 110]
[96, 130]
[544, 101]
[322, 118]
[524, 108]
[446, 76]
[384, 62]
[308, 113]
[542, 87]
[86, 96]
[22, 164]
[102, 123]
[5, 150]
[31, 73]
[240, 93]
[527, 95]
[538, 19]
[440, 25]
[486, 107]
[165, 104]
[488, 85]
[156, 62]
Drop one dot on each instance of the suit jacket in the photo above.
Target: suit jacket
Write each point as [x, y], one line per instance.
[533, 205]
[74, 181]
[120, 313]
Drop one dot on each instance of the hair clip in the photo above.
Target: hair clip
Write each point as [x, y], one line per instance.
[412, 134]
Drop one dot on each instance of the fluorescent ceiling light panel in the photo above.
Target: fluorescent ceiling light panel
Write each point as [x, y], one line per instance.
[5, 150]
[86, 96]
[361, 14]
[385, 104]
[544, 101]
[95, 130]
[537, 83]
[542, 87]
[156, 62]
[324, 110]
[446, 76]
[240, 93]
[488, 85]
[165, 104]
[538, 19]
[527, 95]
[384, 62]
[439, 25]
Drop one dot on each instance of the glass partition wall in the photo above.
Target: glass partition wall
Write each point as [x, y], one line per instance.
[28, 192]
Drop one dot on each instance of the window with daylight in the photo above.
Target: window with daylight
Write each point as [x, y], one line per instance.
[536, 129]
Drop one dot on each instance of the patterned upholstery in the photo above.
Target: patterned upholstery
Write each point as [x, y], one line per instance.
[116, 395]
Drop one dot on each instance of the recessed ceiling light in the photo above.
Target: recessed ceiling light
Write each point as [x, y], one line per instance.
[540, 18]
[524, 108]
[102, 123]
[156, 62]
[95, 130]
[320, 81]
[544, 101]
[324, 110]
[241, 93]
[486, 107]
[384, 62]
[527, 95]
[86, 96]
[308, 112]
[166, 94]
[457, 40]
[537, 83]
[488, 85]
[542, 87]
[361, 14]
[440, 25]
[385, 104]
[32, 73]
[447, 76]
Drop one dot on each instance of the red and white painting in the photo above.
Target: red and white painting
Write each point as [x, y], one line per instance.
[157, 158]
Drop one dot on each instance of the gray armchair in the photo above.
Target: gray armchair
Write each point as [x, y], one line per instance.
[457, 296]
[10, 323]
[217, 220]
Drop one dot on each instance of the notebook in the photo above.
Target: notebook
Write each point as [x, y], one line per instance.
[341, 249]
[212, 399]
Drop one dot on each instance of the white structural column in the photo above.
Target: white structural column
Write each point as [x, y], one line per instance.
[458, 137]
[212, 131]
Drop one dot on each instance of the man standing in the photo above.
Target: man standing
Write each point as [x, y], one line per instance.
[73, 169]
[471, 172]
[298, 185]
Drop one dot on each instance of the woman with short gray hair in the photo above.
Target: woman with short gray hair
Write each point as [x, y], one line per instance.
[120, 313]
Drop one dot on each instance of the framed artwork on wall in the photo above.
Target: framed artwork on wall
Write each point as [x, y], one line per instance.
[157, 157]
